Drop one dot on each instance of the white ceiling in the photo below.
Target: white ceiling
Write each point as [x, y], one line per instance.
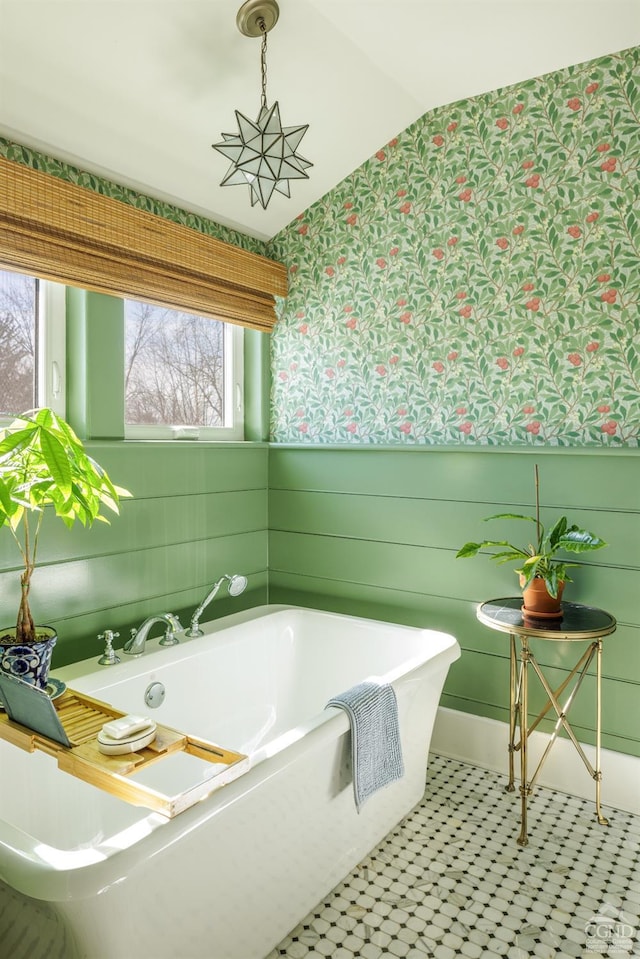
[138, 90]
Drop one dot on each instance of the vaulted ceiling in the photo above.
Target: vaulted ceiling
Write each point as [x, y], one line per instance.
[138, 90]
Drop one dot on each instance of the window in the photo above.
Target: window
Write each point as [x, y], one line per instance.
[31, 344]
[183, 375]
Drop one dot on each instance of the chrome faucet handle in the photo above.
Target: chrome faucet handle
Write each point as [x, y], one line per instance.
[170, 637]
[109, 657]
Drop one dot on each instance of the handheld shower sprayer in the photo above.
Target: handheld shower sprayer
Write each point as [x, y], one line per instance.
[237, 585]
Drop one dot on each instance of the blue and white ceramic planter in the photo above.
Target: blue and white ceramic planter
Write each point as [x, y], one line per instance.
[29, 662]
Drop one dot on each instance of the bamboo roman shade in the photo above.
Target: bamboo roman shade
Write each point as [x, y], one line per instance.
[59, 231]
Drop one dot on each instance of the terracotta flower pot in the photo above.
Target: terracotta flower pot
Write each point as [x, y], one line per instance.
[538, 602]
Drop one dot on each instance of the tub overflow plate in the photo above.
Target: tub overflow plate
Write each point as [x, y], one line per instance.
[154, 695]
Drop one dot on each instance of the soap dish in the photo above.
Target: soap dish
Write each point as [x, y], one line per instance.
[118, 747]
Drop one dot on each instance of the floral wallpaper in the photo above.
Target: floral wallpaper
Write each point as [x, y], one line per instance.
[38, 161]
[477, 281]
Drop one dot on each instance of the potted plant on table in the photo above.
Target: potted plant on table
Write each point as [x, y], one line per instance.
[43, 464]
[542, 573]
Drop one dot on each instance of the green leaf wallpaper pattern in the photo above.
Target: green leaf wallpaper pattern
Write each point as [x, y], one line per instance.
[47, 164]
[477, 281]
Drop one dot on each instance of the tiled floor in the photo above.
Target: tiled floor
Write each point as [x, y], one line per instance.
[451, 881]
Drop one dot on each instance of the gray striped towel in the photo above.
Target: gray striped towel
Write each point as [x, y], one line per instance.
[376, 751]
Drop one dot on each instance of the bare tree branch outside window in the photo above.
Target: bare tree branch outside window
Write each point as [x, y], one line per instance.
[18, 320]
[174, 372]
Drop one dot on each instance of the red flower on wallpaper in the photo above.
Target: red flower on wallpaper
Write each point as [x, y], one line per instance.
[533, 427]
[461, 179]
[393, 142]
[603, 147]
[502, 242]
[283, 376]
[401, 301]
[347, 205]
[438, 254]
[381, 262]
[438, 366]
[465, 312]
[609, 427]
[517, 230]
[341, 260]
[609, 165]
[527, 164]
[592, 88]
[293, 268]
[401, 411]
[438, 140]
[466, 195]
[466, 427]
[574, 231]
[341, 364]
[603, 278]
[502, 362]
[533, 181]
[452, 241]
[528, 410]
[303, 427]
[533, 304]
[574, 103]
[592, 217]
[352, 219]
[394, 359]
[519, 350]
[329, 270]
[401, 193]
[604, 408]
[293, 367]
[329, 373]
[381, 370]
[519, 107]
[502, 123]
[609, 296]
[381, 155]
[527, 287]
[461, 410]
[592, 347]
[406, 316]
[300, 413]
[352, 427]
[406, 427]
[406, 207]
[453, 355]
[452, 126]
[575, 359]
[303, 328]
[351, 323]
[461, 295]
[347, 309]
[303, 230]
[394, 251]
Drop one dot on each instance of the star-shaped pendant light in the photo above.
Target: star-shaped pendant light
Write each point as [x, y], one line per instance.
[263, 153]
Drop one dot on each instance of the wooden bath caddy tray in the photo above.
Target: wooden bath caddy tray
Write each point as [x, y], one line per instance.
[83, 717]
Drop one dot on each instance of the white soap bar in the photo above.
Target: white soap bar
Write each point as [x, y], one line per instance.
[126, 726]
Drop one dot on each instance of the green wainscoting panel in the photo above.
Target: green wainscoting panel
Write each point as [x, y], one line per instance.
[198, 510]
[374, 532]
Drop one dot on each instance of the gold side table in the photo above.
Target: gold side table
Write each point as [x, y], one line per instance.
[578, 624]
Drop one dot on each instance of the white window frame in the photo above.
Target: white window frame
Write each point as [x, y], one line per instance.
[51, 354]
[233, 430]
[50, 373]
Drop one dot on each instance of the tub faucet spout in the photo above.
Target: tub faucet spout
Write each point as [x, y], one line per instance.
[135, 645]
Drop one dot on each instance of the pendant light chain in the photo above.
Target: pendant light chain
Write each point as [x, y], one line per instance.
[263, 62]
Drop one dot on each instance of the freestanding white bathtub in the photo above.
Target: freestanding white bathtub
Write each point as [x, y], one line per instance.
[84, 875]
